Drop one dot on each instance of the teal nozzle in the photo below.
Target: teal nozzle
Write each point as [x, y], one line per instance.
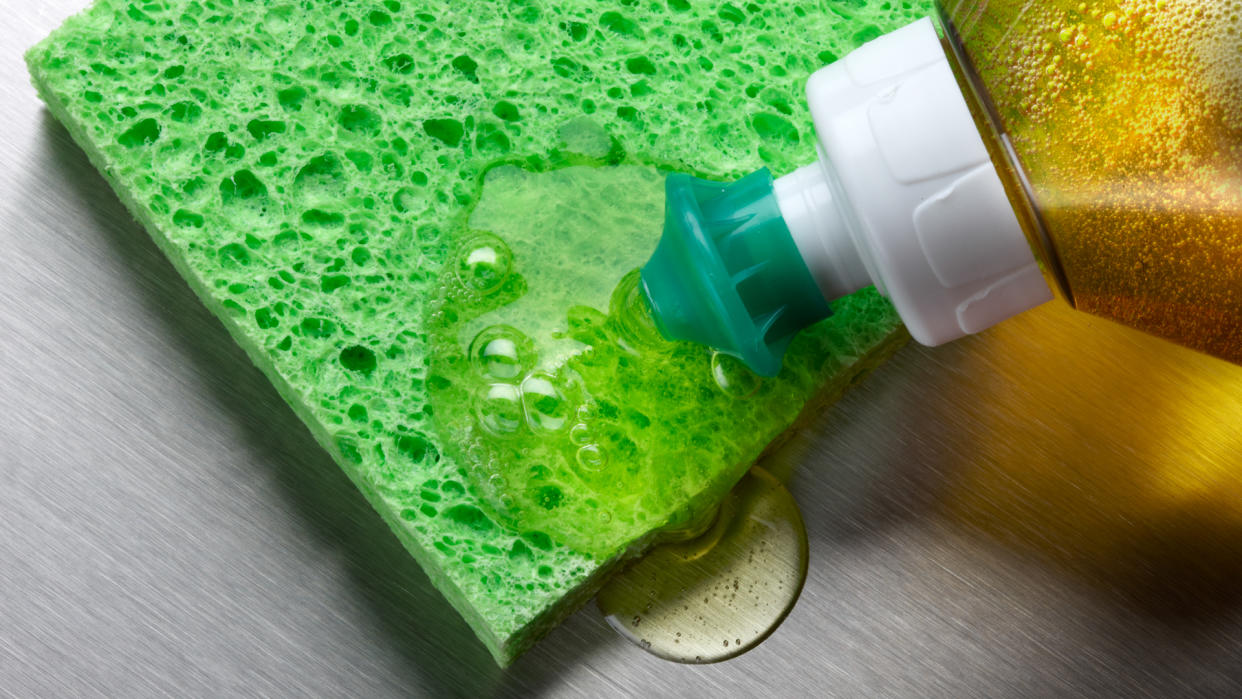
[727, 272]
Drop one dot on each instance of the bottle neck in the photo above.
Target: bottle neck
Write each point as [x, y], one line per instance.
[906, 194]
[821, 230]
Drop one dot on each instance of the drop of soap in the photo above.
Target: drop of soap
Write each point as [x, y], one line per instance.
[484, 262]
[499, 409]
[719, 595]
[734, 377]
[501, 352]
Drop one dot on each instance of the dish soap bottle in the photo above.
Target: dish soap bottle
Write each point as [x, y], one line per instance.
[970, 168]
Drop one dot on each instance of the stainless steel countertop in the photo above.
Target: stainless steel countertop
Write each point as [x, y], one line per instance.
[1050, 508]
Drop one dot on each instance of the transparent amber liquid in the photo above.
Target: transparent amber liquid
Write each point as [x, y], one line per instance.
[1126, 122]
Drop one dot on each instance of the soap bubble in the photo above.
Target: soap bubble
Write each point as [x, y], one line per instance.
[733, 377]
[499, 409]
[484, 262]
[592, 458]
[501, 352]
[580, 434]
[544, 403]
[497, 483]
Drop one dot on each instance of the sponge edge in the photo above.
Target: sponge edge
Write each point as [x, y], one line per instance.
[299, 163]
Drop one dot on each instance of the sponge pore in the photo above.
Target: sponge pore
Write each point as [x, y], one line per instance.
[304, 165]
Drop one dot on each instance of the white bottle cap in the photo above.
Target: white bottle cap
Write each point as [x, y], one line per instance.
[905, 195]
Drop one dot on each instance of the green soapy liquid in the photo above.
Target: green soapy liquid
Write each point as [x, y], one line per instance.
[549, 381]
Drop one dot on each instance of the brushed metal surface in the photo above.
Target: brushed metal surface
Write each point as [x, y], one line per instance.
[1051, 508]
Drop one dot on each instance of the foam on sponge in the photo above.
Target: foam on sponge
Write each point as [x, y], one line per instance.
[308, 167]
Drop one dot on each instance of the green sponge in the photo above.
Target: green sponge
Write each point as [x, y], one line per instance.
[309, 167]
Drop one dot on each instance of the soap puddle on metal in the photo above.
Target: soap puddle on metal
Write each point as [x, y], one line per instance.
[722, 593]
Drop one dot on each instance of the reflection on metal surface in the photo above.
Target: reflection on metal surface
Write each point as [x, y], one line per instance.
[717, 596]
[1112, 454]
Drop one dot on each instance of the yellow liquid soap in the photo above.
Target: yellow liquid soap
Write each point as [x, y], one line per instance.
[1126, 121]
[721, 594]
